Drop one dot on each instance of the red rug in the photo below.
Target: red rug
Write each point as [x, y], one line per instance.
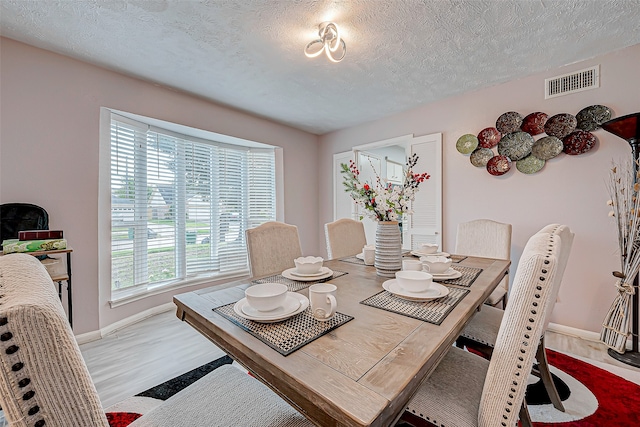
[618, 400]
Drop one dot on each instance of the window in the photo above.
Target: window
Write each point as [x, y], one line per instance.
[180, 205]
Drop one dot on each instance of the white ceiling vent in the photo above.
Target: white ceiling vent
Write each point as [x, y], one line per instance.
[586, 79]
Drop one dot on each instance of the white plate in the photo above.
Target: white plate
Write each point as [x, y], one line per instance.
[301, 299]
[360, 256]
[290, 305]
[288, 274]
[436, 291]
[322, 272]
[447, 275]
[419, 254]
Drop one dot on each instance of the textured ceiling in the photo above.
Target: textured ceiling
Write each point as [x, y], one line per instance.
[248, 54]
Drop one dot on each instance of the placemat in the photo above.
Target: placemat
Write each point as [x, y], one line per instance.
[469, 275]
[353, 260]
[434, 311]
[458, 258]
[294, 285]
[289, 335]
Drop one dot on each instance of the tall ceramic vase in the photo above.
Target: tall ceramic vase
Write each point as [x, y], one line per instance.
[388, 258]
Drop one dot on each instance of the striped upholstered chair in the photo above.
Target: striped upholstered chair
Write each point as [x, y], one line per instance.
[44, 381]
[467, 390]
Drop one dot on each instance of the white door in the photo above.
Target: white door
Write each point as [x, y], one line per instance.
[343, 204]
[425, 225]
[370, 167]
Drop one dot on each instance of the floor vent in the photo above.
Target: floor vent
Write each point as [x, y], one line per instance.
[578, 81]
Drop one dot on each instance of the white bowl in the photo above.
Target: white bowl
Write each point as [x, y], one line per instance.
[266, 296]
[428, 248]
[308, 264]
[436, 264]
[414, 281]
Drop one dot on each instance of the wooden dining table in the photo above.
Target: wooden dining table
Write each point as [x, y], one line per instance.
[362, 373]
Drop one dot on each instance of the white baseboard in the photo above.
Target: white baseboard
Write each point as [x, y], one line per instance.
[96, 335]
[578, 333]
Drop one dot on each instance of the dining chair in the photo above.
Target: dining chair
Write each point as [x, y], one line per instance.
[272, 247]
[466, 390]
[481, 332]
[344, 237]
[44, 381]
[489, 239]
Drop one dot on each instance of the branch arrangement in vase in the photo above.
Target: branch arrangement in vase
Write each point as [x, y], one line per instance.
[382, 200]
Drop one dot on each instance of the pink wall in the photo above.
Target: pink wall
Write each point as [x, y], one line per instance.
[49, 134]
[569, 190]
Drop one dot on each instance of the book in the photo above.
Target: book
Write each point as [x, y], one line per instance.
[39, 234]
[14, 245]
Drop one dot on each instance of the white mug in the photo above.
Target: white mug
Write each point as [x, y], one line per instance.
[322, 297]
[369, 254]
[411, 264]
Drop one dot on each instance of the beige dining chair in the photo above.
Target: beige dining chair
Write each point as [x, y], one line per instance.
[466, 390]
[344, 237]
[44, 381]
[489, 239]
[272, 247]
[481, 332]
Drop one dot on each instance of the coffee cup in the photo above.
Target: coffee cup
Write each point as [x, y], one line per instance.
[322, 298]
[369, 254]
[411, 265]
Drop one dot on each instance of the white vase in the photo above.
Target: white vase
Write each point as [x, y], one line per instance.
[388, 248]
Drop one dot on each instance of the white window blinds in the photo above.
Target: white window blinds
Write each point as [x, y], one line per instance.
[180, 205]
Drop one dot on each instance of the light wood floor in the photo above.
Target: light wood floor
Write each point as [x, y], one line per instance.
[161, 347]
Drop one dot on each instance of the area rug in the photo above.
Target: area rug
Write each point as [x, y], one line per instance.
[593, 397]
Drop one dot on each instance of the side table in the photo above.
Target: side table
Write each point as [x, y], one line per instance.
[59, 278]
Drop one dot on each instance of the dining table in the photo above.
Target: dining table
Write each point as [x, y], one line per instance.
[363, 369]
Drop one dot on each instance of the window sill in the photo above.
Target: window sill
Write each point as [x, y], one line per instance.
[126, 297]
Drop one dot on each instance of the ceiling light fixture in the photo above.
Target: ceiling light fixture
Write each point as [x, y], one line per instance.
[330, 42]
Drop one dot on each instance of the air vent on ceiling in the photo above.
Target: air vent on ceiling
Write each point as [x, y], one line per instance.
[578, 81]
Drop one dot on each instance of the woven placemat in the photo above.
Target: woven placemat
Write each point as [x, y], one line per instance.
[294, 285]
[469, 275]
[353, 260]
[434, 311]
[289, 335]
[458, 258]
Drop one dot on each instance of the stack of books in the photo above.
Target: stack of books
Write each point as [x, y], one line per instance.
[35, 240]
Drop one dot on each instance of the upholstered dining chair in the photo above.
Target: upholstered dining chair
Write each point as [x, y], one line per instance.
[481, 332]
[272, 247]
[466, 390]
[490, 239]
[44, 381]
[345, 237]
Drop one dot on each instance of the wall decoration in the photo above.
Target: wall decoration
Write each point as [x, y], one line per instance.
[560, 125]
[578, 142]
[590, 118]
[467, 143]
[498, 165]
[509, 122]
[531, 140]
[533, 124]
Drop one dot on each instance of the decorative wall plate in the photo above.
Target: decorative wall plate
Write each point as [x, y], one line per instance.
[467, 143]
[590, 118]
[516, 145]
[547, 147]
[579, 142]
[533, 124]
[509, 122]
[481, 156]
[530, 164]
[489, 137]
[498, 165]
[560, 125]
